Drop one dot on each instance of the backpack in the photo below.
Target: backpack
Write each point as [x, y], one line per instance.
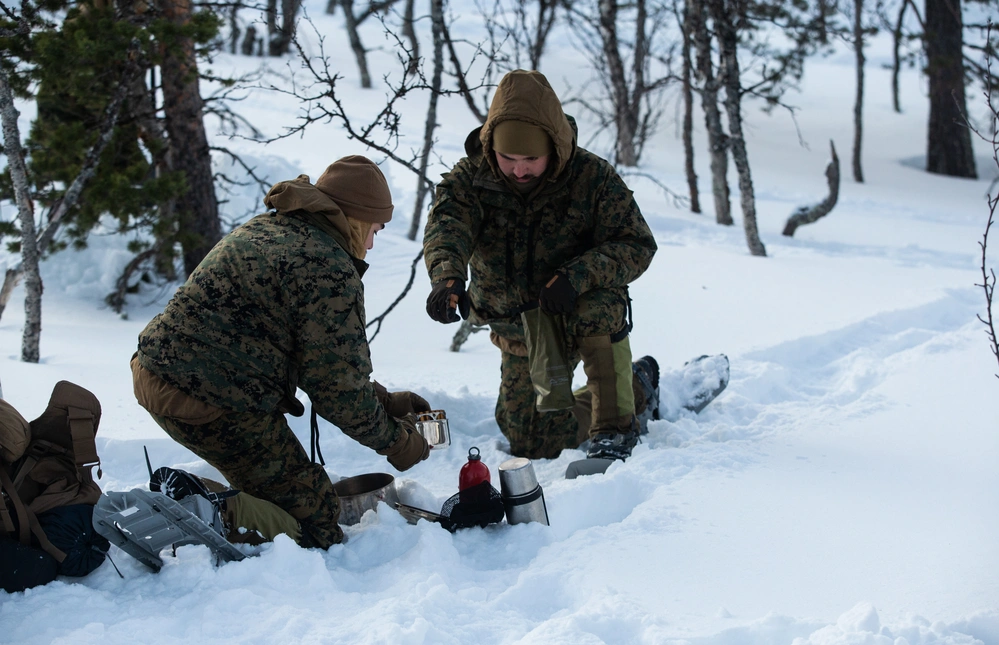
[45, 475]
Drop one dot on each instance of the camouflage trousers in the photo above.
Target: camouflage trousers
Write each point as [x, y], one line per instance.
[260, 455]
[607, 404]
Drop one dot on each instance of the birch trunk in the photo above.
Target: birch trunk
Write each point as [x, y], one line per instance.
[437, 25]
[688, 117]
[728, 51]
[26, 218]
[717, 141]
[626, 155]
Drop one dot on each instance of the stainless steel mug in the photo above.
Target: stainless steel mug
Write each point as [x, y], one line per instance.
[523, 499]
[434, 427]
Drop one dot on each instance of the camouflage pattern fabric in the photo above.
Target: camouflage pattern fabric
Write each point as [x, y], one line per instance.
[277, 304]
[532, 434]
[581, 221]
[260, 455]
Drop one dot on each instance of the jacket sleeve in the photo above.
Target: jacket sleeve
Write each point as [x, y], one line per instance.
[623, 243]
[449, 236]
[335, 362]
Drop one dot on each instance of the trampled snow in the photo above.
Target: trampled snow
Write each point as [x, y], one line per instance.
[843, 489]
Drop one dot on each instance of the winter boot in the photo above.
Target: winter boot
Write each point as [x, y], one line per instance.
[612, 445]
[178, 485]
[646, 372]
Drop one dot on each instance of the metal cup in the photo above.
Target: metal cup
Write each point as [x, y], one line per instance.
[434, 427]
[362, 493]
[523, 499]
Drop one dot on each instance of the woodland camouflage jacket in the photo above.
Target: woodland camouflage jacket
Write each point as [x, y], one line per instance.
[582, 221]
[278, 303]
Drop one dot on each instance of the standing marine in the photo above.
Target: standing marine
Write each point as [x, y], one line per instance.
[529, 219]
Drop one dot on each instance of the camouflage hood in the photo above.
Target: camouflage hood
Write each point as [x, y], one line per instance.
[299, 194]
[526, 96]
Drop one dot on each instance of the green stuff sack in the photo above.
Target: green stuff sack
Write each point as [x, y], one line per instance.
[548, 357]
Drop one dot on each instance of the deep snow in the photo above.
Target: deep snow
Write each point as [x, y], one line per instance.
[842, 490]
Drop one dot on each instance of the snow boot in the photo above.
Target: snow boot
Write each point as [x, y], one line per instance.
[646, 371]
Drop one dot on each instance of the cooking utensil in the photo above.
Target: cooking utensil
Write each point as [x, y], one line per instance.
[362, 493]
[413, 514]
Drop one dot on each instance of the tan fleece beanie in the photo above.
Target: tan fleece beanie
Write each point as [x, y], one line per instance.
[359, 188]
[519, 138]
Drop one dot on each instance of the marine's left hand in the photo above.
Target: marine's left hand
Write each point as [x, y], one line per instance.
[558, 296]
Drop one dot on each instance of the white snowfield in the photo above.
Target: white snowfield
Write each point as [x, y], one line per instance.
[842, 490]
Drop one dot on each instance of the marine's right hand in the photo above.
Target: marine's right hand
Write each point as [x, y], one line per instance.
[409, 449]
[447, 299]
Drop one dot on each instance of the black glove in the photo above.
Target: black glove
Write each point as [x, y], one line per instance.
[558, 296]
[447, 298]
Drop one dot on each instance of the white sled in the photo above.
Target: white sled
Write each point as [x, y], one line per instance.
[142, 524]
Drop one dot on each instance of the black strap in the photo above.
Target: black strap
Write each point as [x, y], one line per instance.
[621, 335]
[315, 450]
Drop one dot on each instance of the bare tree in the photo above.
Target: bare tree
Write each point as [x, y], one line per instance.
[630, 91]
[723, 14]
[949, 150]
[422, 188]
[523, 26]
[688, 115]
[709, 90]
[858, 104]
[988, 275]
[33, 243]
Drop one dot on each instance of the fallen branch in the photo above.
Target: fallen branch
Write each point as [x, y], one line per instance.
[808, 214]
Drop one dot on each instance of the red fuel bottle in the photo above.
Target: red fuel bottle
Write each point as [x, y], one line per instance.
[474, 472]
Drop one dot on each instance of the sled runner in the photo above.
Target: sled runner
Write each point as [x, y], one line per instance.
[690, 388]
[142, 523]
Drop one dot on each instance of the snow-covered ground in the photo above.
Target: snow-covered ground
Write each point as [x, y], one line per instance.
[843, 489]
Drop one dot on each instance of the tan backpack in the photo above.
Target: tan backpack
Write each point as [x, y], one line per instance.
[46, 464]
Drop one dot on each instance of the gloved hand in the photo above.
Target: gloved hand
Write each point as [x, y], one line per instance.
[558, 296]
[447, 298]
[399, 404]
[409, 449]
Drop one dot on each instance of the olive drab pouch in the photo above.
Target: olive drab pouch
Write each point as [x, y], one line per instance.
[48, 492]
[548, 360]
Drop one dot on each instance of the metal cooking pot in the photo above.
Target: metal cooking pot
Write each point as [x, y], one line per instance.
[362, 493]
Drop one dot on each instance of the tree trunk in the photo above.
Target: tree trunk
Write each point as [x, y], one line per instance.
[410, 33]
[717, 141]
[437, 26]
[949, 150]
[142, 112]
[197, 208]
[280, 42]
[620, 97]
[728, 52]
[26, 218]
[355, 42]
[858, 106]
[272, 24]
[546, 19]
[896, 65]
[688, 118]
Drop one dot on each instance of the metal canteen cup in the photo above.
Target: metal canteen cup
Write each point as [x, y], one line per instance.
[362, 493]
[434, 427]
[523, 499]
